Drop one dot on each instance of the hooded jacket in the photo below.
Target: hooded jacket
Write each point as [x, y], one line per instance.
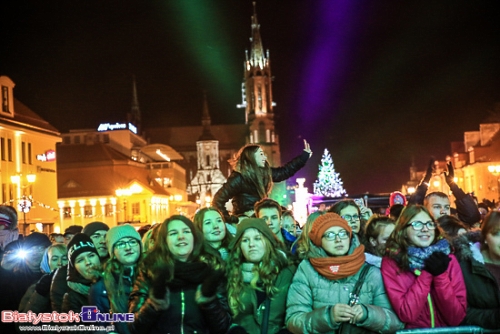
[243, 192]
[410, 293]
[483, 291]
[311, 297]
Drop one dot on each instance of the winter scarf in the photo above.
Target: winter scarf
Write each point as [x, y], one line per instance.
[418, 255]
[334, 268]
[247, 271]
[189, 274]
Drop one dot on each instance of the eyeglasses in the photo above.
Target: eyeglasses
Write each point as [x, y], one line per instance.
[350, 218]
[418, 225]
[330, 236]
[123, 244]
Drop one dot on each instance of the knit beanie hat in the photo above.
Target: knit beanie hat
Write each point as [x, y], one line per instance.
[91, 228]
[36, 239]
[323, 223]
[80, 243]
[257, 223]
[118, 232]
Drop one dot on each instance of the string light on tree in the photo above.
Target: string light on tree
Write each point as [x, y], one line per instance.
[328, 183]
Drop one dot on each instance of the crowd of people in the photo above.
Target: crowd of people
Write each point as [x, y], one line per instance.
[257, 270]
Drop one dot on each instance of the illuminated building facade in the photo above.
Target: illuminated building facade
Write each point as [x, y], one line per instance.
[27, 163]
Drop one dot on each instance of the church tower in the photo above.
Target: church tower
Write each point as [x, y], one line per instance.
[257, 96]
[134, 116]
[208, 178]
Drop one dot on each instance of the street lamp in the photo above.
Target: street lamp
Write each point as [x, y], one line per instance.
[25, 202]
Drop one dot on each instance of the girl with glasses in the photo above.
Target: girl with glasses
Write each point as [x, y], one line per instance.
[334, 290]
[111, 293]
[423, 280]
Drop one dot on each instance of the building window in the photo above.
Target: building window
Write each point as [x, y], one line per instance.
[87, 211]
[77, 139]
[30, 160]
[11, 192]
[136, 208]
[67, 212]
[4, 193]
[66, 140]
[106, 138]
[108, 210]
[2, 148]
[5, 99]
[23, 152]
[9, 149]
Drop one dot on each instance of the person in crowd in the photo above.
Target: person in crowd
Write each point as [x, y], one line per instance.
[37, 297]
[422, 278]
[289, 223]
[302, 243]
[176, 291]
[143, 229]
[451, 226]
[377, 231]
[210, 222]
[252, 179]
[97, 232]
[438, 203]
[259, 276]
[111, 293]
[395, 211]
[70, 232]
[148, 239]
[56, 238]
[351, 212]
[84, 269]
[23, 273]
[483, 209]
[335, 288]
[478, 253]
[270, 211]
[8, 226]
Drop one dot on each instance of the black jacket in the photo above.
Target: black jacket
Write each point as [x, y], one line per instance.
[184, 315]
[58, 288]
[243, 193]
[466, 207]
[483, 292]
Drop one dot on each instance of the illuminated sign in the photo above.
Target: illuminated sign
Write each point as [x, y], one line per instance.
[49, 155]
[117, 126]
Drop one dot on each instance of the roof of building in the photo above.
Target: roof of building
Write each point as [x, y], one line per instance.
[24, 117]
[183, 138]
[98, 170]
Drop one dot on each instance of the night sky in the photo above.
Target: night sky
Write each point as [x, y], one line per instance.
[378, 83]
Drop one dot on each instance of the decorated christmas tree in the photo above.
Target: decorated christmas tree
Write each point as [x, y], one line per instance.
[328, 183]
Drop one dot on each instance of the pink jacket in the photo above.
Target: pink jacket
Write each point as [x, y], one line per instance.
[408, 294]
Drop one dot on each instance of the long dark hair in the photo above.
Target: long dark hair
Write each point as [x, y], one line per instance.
[491, 224]
[160, 255]
[244, 163]
[397, 244]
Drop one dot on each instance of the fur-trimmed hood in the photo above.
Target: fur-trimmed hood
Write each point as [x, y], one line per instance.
[468, 247]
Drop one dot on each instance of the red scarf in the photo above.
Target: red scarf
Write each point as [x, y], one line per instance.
[338, 267]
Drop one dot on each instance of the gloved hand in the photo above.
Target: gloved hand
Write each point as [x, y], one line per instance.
[437, 263]
[450, 175]
[207, 290]
[42, 287]
[159, 296]
[428, 172]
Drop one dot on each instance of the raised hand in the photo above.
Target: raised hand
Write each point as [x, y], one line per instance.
[428, 172]
[307, 148]
[450, 175]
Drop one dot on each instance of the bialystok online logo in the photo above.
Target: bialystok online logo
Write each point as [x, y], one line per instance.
[88, 314]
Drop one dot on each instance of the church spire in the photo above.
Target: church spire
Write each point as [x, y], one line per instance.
[206, 121]
[134, 116]
[257, 58]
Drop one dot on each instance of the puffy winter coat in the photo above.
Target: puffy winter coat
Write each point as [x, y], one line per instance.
[483, 291]
[243, 192]
[251, 317]
[419, 299]
[311, 297]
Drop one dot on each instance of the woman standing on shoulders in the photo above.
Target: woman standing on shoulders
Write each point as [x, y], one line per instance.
[478, 253]
[423, 280]
[258, 279]
[176, 291]
[252, 180]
